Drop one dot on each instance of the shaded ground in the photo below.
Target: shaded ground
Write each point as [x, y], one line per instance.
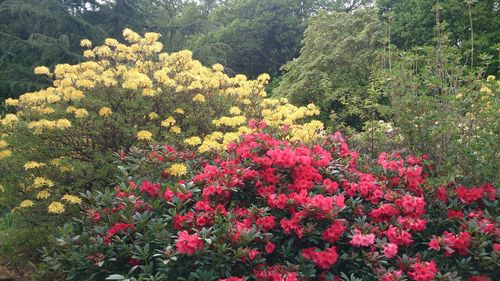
[8, 275]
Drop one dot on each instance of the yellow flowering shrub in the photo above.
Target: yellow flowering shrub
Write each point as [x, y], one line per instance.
[59, 141]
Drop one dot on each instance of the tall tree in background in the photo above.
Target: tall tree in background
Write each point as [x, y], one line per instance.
[37, 33]
[333, 70]
[413, 24]
[253, 36]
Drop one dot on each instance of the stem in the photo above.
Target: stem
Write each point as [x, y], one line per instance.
[469, 3]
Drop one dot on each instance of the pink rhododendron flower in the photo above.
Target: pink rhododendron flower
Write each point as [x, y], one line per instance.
[188, 244]
[390, 250]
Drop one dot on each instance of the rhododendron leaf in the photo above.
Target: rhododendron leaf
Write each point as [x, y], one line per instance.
[116, 277]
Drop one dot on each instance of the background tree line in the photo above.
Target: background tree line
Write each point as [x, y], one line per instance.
[247, 36]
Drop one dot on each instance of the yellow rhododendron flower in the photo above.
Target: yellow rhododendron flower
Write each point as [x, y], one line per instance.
[3, 144]
[81, 113]
[485, 90]
[11, 102]
[72, 199]
[152, 115]
[41, 182]
[88, 54]
[63, 123]
[44, 194]
[66, 168]
[86, 43]
[9, 119]
[41, 70]
[5, 153]
[218, 67]
[199, 98]
[193, 141]
[144, 135]
[26, 204]
[105, 111]
[56, 207]
[168, 122]
[111, 42]
[177, 170]
[130, 35]
[234, 110]
[151, 37]
[179, 111]
[33, 165]
[175, 129]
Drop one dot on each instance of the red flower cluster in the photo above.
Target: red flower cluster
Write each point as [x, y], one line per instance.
[471, 195]
[452, 243]
[119, 227]
[423, 271]
[323, 259]
[188, 244]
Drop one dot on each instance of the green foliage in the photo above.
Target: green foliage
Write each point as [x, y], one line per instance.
[442, 108]
[36, 33]
[18, 242]
[333, 71]
[253, 36]
[413, 23]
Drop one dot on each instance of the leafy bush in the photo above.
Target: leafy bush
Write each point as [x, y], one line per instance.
[267, 209]
[446, 110]
[59, 141]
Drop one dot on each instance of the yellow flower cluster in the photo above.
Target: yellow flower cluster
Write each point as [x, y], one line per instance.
[234, 110]
[199, 98]
[26, 204]
[177, 169]
[144, 135]
[192, 141]
[175, 129]
[153, 115]
[72, 199]
[44, 194]
[230, 121]
[42, 182]
[8, 120]
[56, 207]
[5, 154]
[33, 165]
[11, 102]
[42, 70]
[168, 122]
[105, 111]
[40, 125]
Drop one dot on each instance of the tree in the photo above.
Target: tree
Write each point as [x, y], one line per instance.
[334, 67]
[413, 24]
[254, 36]
[37, 33]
